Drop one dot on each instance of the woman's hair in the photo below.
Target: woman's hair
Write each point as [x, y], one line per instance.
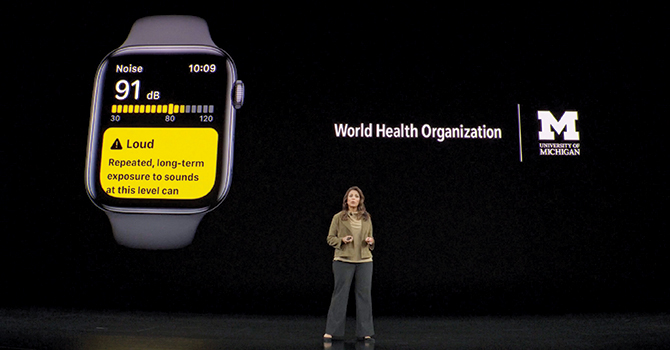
[362, 213]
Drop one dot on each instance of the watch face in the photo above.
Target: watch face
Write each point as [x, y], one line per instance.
[161, 133]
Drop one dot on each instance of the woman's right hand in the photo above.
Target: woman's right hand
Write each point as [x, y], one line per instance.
[347, 239]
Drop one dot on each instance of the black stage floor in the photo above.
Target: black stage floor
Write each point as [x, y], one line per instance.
[73, 330]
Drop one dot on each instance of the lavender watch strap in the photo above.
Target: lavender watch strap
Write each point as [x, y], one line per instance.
[169, 30]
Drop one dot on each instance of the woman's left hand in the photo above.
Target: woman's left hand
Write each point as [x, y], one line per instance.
[370, 240]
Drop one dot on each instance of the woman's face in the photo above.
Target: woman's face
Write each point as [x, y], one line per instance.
[353, 199]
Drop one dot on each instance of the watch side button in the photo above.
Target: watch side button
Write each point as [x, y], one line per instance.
[238, 94]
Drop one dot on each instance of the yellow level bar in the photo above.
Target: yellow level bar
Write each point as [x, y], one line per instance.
[149, 109]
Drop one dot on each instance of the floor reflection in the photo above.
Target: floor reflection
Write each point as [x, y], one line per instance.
[80, 330]
[368, 344]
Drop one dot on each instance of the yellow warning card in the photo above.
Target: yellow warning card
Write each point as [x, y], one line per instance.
[158, 163]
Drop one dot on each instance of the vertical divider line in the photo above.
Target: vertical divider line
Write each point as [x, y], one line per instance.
[518, 114]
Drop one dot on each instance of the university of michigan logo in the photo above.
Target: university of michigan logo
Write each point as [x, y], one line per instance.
[566, 128]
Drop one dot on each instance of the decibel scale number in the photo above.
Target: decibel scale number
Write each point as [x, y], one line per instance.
[170, 118]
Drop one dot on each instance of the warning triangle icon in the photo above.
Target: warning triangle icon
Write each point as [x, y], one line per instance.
[117, 144]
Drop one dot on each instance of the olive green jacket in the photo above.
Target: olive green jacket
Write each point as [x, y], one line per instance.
[341, 228]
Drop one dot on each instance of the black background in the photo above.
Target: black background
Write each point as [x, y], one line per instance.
[462, 227]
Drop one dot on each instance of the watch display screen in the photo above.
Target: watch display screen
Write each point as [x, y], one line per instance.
[162, 126]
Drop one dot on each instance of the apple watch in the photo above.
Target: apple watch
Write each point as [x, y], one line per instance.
[161, 133]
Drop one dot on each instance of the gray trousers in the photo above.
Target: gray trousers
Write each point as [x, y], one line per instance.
[361, 276]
